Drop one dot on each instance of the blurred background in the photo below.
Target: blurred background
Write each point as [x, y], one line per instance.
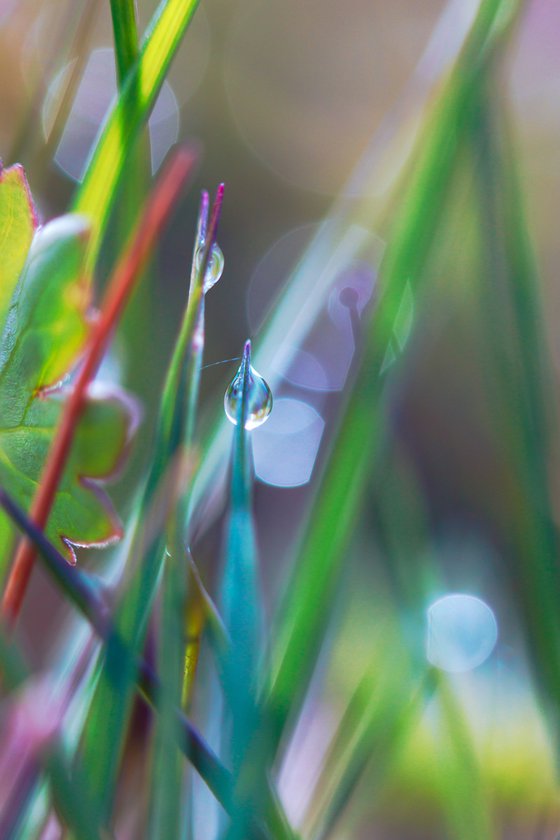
[307, 110]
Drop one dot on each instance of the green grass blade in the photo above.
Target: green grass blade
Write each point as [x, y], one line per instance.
[103, 743]
[359, 435]
[374, 730]
[125, 36]
[167, 777]
[515, 331]
[138, 94]
[463, 796]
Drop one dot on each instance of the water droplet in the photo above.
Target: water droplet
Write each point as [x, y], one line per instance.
[462, 633]
[215, 265]
[260, 395]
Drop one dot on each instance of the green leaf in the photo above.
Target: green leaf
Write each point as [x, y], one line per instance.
[46, 325]
[45, 330]
[82, 514]
[18, 220]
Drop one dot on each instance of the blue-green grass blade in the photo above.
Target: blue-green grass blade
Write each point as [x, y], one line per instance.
[240, 594]
[371, 735]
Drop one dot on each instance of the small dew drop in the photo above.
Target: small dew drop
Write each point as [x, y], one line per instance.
[260, 397]
[215, 266]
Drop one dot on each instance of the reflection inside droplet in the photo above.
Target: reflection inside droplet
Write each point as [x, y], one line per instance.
[215, 267]
[94, 95]
[259, 397]
[285, 450]
[461, 634]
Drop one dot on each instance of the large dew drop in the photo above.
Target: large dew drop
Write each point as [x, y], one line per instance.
[215, 265]
[259, 395]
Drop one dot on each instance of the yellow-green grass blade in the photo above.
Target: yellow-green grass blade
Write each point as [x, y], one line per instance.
[138, 94]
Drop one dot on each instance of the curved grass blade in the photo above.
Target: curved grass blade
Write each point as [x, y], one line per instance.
[138, 94]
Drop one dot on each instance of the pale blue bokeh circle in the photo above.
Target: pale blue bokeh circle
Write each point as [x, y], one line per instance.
[461, 634]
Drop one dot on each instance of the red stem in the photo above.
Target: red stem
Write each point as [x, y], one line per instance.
[125, 275]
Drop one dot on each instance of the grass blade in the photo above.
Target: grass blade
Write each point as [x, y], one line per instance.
[240, 591]
[512, 311]
[89, 600]
[68, 795]
[359, 434]
[173, 451]
[138, 94]
[125, 36]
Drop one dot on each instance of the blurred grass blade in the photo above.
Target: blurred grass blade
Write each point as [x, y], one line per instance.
[516, 345]
[171, 467]
[138, 94]
[200, 613]
[360, 431]
[88, 599]
[68, 795]
[371, 734]
[463, 794]
[351, 230]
